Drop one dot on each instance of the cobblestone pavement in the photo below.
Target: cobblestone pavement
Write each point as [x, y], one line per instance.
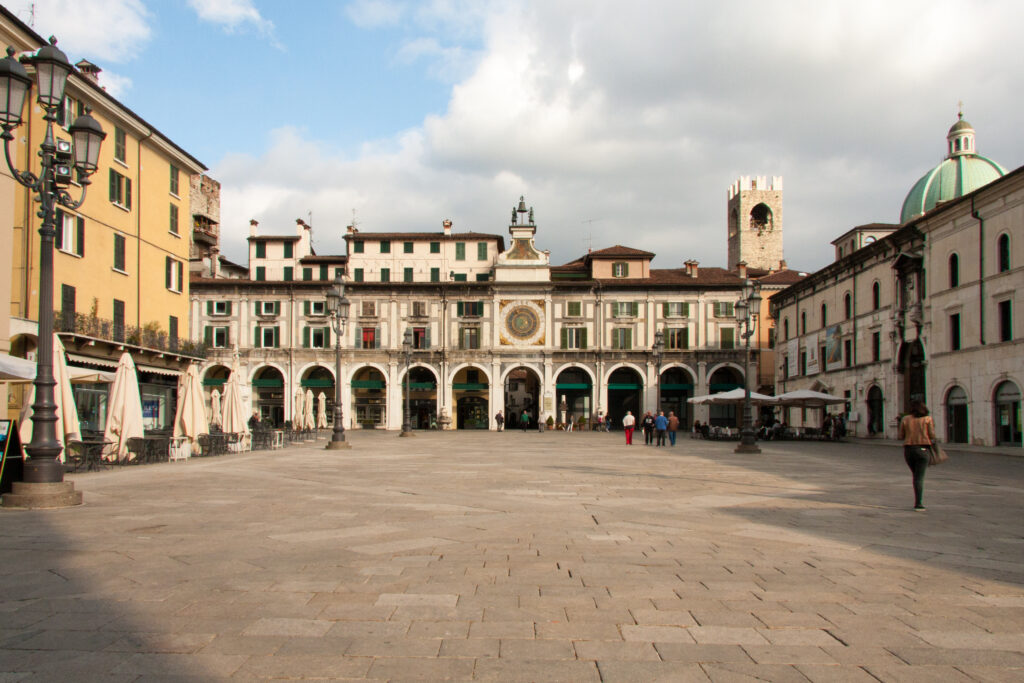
[523, 556]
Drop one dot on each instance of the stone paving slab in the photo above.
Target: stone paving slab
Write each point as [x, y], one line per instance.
[512, 556]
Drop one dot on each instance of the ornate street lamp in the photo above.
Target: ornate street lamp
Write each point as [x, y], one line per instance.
[337, 306]
[747, 310]
[407, 349]
[659, 351]
[52, 69]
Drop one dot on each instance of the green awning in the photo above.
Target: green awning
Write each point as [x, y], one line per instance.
[368, 384]
[715, 388]
[268, 383]
[212, 382]
[572, 386]
[469, 386]
[318, 383]
[677, 387]
[624, 387]
[423, 386]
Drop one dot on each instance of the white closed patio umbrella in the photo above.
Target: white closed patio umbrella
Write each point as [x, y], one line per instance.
[299, 410]
[124, 410]
[190, 420]
[233, 417]
[321, 413]
[309, 419]
[68, 428]
[215, 407]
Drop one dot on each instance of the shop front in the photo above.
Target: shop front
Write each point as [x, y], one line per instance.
[369, 398]
[470, 392]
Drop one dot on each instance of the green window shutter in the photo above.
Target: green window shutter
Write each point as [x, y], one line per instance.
[209, 308]
[208, 335]
[426, 338]
[664, 310]
[261, 273]
[288, 246]
[615, 339]
[583, 338]
[113, 185]
[307, 274]
[256, 337]
[323, 272]
[481, 251]
[376, 337]
[167, 272]
[305, 307]
[277, 337]
[80, 245]
[229, 308]
[460, 251]
[227, 336]
[435, 247]
[305, 337]
[128, 193]
[407, 275]
[256, 308]
[565, 337]
[288, 274]
[459, 308]
[58, 239]
[636, 308]
[277, 308]
[261, 250]
[686, 338]
[686, 310]
[435, 274]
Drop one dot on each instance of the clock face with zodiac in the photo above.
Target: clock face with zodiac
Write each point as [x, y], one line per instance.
[523, 323]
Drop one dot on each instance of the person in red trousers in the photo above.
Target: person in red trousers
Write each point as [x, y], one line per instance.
[628, 422]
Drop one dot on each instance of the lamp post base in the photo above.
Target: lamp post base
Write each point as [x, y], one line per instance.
[746, 448]
[42, 496]
[337, 445]
[406, 433]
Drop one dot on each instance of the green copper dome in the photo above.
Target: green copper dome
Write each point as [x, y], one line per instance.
[962, 171]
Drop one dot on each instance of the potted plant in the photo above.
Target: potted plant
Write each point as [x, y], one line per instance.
[550, 422]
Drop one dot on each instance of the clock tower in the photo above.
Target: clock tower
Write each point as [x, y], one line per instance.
[755, 222]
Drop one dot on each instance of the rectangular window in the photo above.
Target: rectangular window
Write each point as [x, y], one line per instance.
[435, 274]
[625, 309]
[120, 190]
[876, 347]
[385, 246]
[173, 223]
[369, 309]
[261, 250]
[470, 309]
[174, 179]
[369, 338]
[173, 271]
[172, 331]
[118, 320]
[289, 273]
[119, 255]
[420, 338]
[407, 247]
[338, 272]
[847, 352]
[323, 272]
[385, 275]
[269, 337]
[727, 337]
[407, 275]
[460, 251]
[677, 339]
[435, 247]
[622, 338]
[1005, 320]
[268, 307]
[315, 338]
[483, 277]
[724, 309]
[481, 251]
[574, 309]
[357, 247]
[419, 309]
[218, 307]
[574, 338]
[803, 362]
[261, 273]
[315, 308]
[469, 338]
[357, 274]
[620, 269]
[217, 337]
[675, 309]
[307, 274]
[67, 308]
[954, 332]
[458, 277]
[289, 249]
[120, 144]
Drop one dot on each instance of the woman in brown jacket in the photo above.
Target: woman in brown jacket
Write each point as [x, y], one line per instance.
[918, 432]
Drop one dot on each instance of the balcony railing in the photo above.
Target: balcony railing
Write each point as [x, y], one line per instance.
[119, 333]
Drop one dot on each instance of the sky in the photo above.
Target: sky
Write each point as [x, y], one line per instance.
[620, 123]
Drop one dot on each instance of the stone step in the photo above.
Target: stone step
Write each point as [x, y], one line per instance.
[42, 496]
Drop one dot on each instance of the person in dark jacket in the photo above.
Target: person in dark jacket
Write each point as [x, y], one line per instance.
[648, 426]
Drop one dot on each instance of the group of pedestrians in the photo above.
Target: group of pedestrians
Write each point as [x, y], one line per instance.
[656, 428]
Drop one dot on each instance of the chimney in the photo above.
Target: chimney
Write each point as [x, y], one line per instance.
[253, 224]
[300, 225]
[691, 268]
[782, 265]
[741, 270]
[447, 227]
[89, 70]
[214, 262]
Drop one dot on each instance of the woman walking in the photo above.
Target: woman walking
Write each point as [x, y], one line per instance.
[917, 430]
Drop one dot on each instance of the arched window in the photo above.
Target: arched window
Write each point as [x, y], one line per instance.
[785, 328]
[848, 306]
[824, 315]
[876, 296]
[954, 270]
[1004, 253]
[803, 322]
[957, 147]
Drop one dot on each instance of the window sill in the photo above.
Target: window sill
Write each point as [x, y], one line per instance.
[118, 270]
[122, 207]
[119, 162]
[175, 291]
[175, 195]
[174, 234]
[70, 253]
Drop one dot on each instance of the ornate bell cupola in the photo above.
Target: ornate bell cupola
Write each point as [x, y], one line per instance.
[522, 262]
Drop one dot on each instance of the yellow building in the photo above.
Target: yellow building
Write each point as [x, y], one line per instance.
[121, 260]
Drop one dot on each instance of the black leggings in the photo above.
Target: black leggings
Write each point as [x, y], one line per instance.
[917, 461]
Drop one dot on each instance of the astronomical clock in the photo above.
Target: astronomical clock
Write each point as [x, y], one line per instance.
[522, 323]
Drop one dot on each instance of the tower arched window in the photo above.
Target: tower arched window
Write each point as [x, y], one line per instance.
[876, 296]
[785, 328]
[824, 315]
[803, 322]
[957, 145]
[954, 270]
[1004, 252]
[847, 306]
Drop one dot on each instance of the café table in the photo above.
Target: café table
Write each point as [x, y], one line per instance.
[92, 451]
[180, 448]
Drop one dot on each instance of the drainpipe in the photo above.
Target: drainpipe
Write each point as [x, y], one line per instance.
[981, 270]
[138, 237]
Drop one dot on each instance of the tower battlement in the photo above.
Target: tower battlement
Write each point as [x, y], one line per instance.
[760, 182]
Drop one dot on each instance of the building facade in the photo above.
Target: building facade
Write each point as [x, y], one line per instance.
[921, 311]
[121, 259]
[492, 328]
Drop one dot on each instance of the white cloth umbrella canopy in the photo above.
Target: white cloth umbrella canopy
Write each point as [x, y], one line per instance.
[309, 420]
[190, 419]
[68, 428]
[805, 398]
[732, 396]
[299, 411]
[215, 407]
[233, 418]
[321, 413]
[124, 410]
[14, 368]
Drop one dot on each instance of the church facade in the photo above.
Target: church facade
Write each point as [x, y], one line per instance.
[492, 328]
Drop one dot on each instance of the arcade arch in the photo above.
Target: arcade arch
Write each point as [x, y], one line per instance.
[521, 394]
[369, 398]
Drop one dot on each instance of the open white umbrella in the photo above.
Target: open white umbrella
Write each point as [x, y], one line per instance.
[805, 398]
[190, 419]
[233, 418]
[14, 368]
[215, 407]
[68, 428]
[309, 420]
[321, 413]
[732, 396]
[124, 410]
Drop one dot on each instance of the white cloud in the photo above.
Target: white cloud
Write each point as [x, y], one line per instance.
[100, 31]
[115, 84]
[628, 126]
[233, 15]
[374, 13]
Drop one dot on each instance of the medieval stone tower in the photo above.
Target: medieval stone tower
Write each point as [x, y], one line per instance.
[755, 222]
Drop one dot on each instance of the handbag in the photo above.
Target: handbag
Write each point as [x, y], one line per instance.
[936, 456]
